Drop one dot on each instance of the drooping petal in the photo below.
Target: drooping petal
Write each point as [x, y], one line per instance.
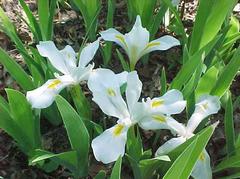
[114, 36]
[169, 146]
[69, 56]
[105, 87]
[202, 168]
[133, 90]
[136, 40]
[57, 59]
[44, 96]
[205, 106]
[163, 43]
[157, 121]
[170, 103]
[88, 53]
[108, 146]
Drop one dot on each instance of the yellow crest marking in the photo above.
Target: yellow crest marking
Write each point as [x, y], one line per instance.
[152, 44]
[205, 106]
[202, 156]
[54, 84]
[111, 92]
[121, 39]
[118, 129]
[157, 103]
[159, 118]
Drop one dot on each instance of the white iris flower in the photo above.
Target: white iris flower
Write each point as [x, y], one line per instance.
[105, 86]
[65, 61]
[205, 106]
[158, 111]
[136, 42]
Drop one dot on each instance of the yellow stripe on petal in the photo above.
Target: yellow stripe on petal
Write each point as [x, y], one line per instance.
[159, 118]
[202, 156]
[152, 44]
[111, 92]
[121, 39]
[157, 103]
[118, 129]
[205, 106]
[54, 84]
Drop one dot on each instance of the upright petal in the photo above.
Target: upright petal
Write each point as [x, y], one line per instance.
[202, 168]
[169, 146]
[105, 87]
[134, 89]
[82, 73]
[205, 106]
[44, 96]
[114, 36]
[136, 40]
[57, 59]
[69, 56]
[88, 53]
[122, 77]
[163, 43]
[108, 146]
[170, 103]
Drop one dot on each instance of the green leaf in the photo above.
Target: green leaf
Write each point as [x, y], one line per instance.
[101, 175]
[67, 159]
[191, 65]
[149, 166]
[43, 13]
[10, 30]
[183, 165]
[9, 126]
[134, 144]
[52, 8]
[81, 102]
[210, 17]
[77, 133]
[22, 115]
[16, 71]
[229, 127]
[231, 162]
[33, 24]
[123, 62]
[116, 171]
[207, 82]
[226, 77]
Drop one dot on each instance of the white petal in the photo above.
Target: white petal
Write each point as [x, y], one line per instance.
[170, 103]
[163, 43]
[202, 168]
[138, 112]
[205, 106]
[81, 73]
[110, 144]
[70, 57]
[88, 53]
[105, 87]
[44, 96]
[122, 77]
[134, 89]
[169, 146]
[157, 121]
[49, 50]
[136, 40]
[114, 36]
